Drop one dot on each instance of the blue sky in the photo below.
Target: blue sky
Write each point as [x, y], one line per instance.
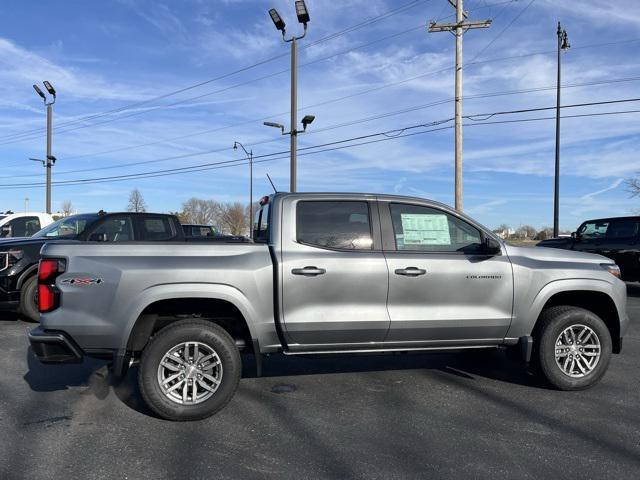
[105, 55]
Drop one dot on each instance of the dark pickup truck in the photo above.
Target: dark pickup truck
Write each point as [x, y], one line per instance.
[616, 238]
[19, 256]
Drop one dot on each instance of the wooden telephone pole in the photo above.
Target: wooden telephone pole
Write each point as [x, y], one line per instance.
[458, 28]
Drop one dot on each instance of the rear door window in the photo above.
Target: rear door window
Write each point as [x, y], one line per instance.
[342, 225]
[155, 229]
[622, 228]
[114, 229]
[24, 226]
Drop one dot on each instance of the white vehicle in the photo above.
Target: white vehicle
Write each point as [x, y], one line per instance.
[23, 224]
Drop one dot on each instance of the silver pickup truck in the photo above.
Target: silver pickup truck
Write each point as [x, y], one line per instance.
[325, 273]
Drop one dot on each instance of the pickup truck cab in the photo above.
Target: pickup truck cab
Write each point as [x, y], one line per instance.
[23, 224]
[325, 273]
[617, 238]
[19, 257]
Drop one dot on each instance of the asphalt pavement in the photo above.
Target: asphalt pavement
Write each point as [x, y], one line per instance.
[440, 415]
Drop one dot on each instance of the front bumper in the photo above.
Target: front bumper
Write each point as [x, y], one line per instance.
[54, 347]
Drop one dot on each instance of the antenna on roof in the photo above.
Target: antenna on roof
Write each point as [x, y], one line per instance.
[272, 185]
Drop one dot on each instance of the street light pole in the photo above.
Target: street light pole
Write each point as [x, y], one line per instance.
[250, 157]
[294, 114]
[302, 13]
[49, 125]
[50, 161]
[563, 44]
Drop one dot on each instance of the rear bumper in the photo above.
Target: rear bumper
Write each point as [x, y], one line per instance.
[54, 347]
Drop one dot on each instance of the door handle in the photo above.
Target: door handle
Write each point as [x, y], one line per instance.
[411, 271]
[309, 271]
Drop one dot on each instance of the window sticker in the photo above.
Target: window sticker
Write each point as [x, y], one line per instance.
[425, 229]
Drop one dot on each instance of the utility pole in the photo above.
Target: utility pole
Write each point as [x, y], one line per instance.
[458, 29]
[51, 160]
[563, 44]
[250, 157]
[303, 17]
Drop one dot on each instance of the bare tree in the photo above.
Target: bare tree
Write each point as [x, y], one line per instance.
[136, 202]
[633, 185]
[526, 232]
[234, 218]
[67, 208]
[546, 232]
[200, 211]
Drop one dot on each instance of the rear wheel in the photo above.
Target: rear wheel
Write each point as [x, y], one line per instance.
[189, 370]
[573, 347]
[29, 299]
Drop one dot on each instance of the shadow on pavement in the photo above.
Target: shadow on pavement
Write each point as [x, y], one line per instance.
[49, 378]
[467, 365]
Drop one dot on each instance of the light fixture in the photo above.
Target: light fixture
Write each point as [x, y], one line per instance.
[49, 88]
[39, 92]
[565, 41]
[274, 125]
[302, 12]
[307, 120]
[277, 20]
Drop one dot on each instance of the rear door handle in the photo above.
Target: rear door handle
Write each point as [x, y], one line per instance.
[411, 271]
[309, 271]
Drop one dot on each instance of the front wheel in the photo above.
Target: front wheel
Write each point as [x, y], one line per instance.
[573, 347]
[189, 370]
[29, 299]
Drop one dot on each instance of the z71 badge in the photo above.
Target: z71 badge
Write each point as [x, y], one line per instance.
[82, 281]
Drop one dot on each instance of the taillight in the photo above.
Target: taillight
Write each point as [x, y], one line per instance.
[48, 293]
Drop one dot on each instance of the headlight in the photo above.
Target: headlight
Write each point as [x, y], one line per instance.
[612, 268]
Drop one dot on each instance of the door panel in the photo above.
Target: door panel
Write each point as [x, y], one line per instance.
[345, 304]
[459, 297]
[334, 282]
[441, 286]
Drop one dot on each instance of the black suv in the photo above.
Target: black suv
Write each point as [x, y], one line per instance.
[19, 257]
[617, 238]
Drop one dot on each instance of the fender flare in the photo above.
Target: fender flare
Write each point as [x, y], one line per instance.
[568, 285]
[24, 276]
[212, 291]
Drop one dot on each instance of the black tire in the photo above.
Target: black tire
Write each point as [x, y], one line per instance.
[29, 300]
[552, 323]
[204, 332]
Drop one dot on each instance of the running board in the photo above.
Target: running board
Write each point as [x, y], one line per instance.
[386, 350]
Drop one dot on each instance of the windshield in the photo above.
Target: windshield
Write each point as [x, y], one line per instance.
[69, 227]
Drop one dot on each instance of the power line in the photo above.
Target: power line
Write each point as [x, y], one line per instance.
[207, 94]
[340, 98]
[329, 37]
[202, 132]
[360, 121]
[344, 124]
[513, 20]
[389, 135]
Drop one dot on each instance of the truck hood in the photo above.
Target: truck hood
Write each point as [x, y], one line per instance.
[555, 254]
[566, 242]
[21, 242]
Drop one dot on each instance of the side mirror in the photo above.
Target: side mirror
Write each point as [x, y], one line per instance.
[6, 231]
[98, 237]
[491, 246]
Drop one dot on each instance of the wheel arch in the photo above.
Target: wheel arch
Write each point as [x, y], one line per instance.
[162, 305]
[26, 275]
[594, 296]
